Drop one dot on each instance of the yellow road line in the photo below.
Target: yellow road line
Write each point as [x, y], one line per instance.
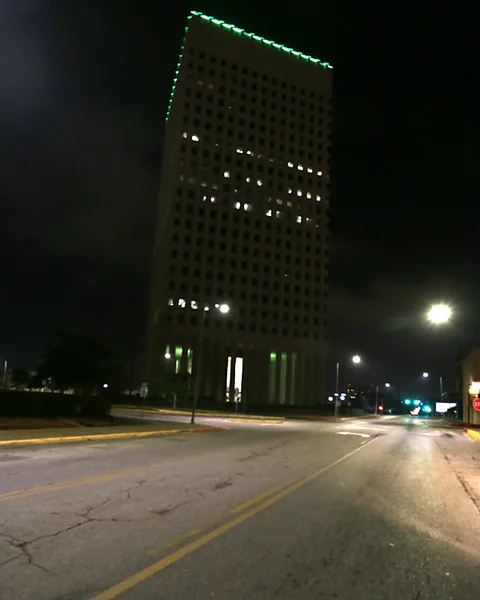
[99, 436]
[261, 496]
[220, 518]
[74, 483]
[144, 574]
[89, 480]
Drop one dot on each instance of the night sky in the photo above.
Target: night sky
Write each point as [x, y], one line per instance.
[83, 93]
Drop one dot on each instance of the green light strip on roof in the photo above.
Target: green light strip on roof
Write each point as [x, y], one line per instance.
[240, 31]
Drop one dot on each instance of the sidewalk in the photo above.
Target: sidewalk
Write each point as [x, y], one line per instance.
[464, 458]
[30, 437]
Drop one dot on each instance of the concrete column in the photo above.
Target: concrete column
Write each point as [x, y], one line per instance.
[288, 383]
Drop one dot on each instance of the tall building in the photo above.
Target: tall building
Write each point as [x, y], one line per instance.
[243, 219]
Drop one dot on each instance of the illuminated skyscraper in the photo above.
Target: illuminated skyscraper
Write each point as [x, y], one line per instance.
[243, 218]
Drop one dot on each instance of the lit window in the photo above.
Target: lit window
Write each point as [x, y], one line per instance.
[204, 184]
[195, 138]
[193, 304]
[290, 164]
[290, 191]
[226, 174]
[215, 186]
[170, 302]
[247, 207]
[310, 170]
[319, 173]
[269, 213]
[184, 134]
[299, 219]
[300, 167]
[279, 201]
[237, 205]
[239, 151]
[289, 204]
[212, 198]
[309, 195]
[182, 303]
[259, 182]
[278, 214]
[319, 198]
[250, 152]
[204, 198]
[191, 180]
[248, 179]
[308, 219]
[299, 193]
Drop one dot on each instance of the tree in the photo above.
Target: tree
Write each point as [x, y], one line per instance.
[77, 361]
[21, 378]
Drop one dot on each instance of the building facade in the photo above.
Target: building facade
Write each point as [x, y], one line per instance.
[243, 219]
[471, 386]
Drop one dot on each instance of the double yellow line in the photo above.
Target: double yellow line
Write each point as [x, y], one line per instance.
[248, 509]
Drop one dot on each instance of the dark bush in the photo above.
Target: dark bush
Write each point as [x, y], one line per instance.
[47, 405]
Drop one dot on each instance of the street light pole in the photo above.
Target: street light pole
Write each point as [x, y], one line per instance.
[376, 401]
[337, 387]
[441, 388]
[199, 363]
[224, 309]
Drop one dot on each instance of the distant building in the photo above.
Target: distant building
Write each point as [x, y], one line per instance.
[243, 218]
[471, 385]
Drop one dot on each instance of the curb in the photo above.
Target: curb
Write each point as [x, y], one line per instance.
[475, 435]
[102, 436]
[180, 413]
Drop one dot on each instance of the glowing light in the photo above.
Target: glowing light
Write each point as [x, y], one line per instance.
[259, 38]
[224, 308]
[226, 175]
[356, 359]
[439, 313]
[195, 138]
[168, 355]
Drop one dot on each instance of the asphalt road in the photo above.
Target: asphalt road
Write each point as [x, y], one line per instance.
[365, 509]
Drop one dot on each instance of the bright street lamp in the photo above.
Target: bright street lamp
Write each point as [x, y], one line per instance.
[439, 313]
[425, 374]
[224, 309]
[355, 359]
[387, 385]
[168, 356]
